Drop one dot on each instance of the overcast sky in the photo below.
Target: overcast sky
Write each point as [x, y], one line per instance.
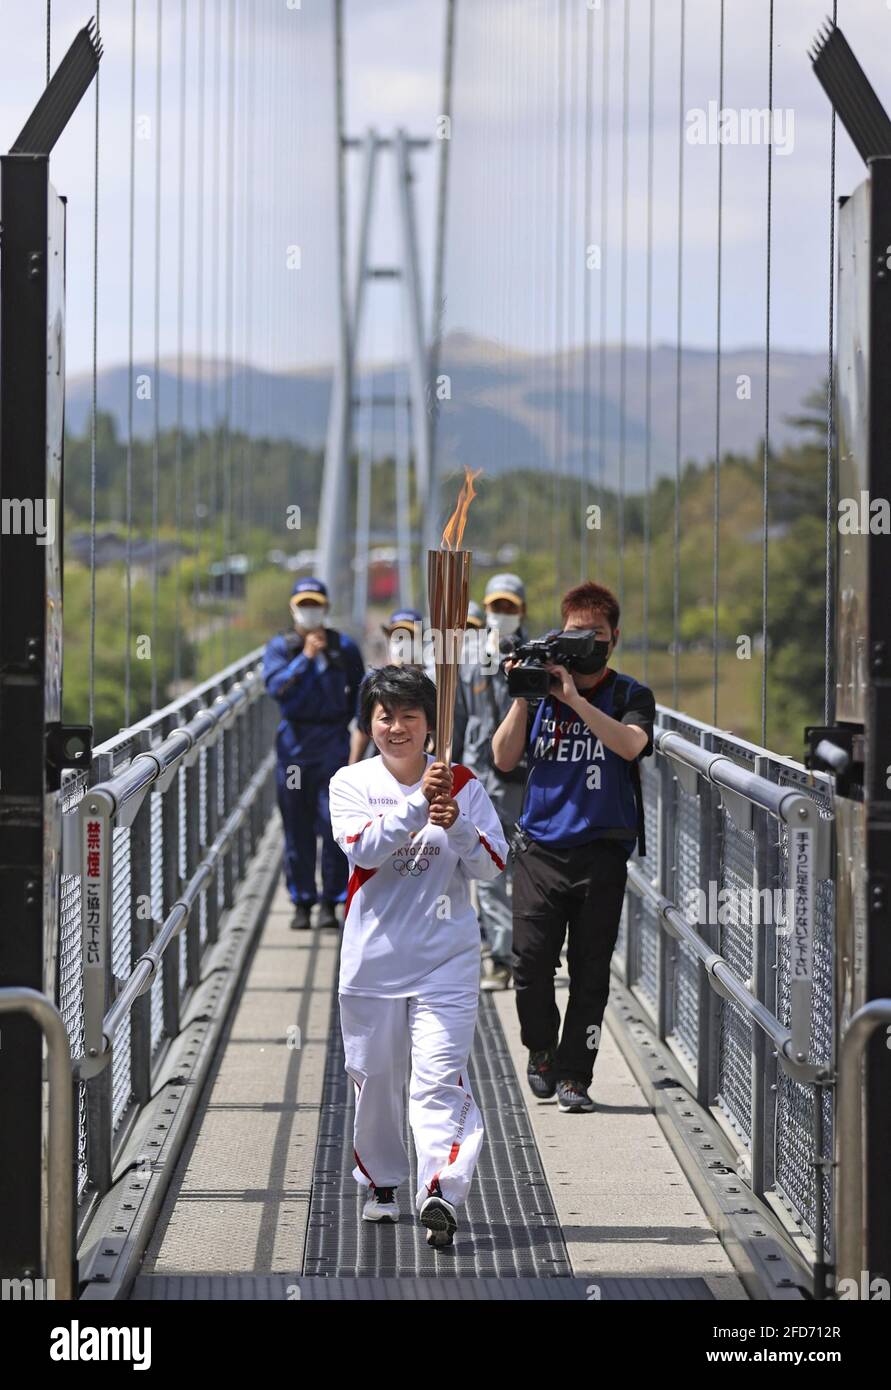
[503, 150]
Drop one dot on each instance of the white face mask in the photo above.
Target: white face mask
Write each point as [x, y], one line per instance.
[505, 624]
[309, 615]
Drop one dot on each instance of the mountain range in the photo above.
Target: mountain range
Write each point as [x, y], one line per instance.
[498, 411]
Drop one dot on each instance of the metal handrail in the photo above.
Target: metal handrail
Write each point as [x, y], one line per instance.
[724, 981]
[149, 767]
[723, 772]
[849, 1137]
[60, 1139]
[146, 968]
[237, 669]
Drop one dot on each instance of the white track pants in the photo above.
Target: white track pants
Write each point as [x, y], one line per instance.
[433, 1033]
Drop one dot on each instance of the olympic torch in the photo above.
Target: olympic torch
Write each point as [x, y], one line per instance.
[448, 585]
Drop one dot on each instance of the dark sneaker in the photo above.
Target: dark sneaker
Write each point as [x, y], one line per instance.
[439, 1216]
[300, 920]
[327, 915]
[381, 1205]
[573, 1098]
[540, 1073]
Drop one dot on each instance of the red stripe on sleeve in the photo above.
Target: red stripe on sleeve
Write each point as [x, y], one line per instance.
[357, 878]
[484, 841]
[461, 775]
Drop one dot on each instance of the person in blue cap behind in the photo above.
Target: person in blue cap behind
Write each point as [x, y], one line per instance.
[405, 647]
[314, 672]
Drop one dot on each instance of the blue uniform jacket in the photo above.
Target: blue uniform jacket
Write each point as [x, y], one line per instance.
[317, 699]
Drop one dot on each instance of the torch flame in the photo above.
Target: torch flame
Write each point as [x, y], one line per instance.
[453, 534]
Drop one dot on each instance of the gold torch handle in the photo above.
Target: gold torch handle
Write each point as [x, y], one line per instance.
[448, 587]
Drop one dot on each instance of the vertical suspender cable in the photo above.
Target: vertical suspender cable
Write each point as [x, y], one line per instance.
[717, 498]
[559, 224]
[676, 586]
[766, 393]
[128, 577]
[648, 382]
[442, 218]
[227, 406]
[623, 309]
[49, 25]
[250, 164]
[572, 249]
[585, 472]
[156, 383]
[180, 297]
[828, 691]
[214, 430]
[199, 312]
[92, 678]
[604, 213]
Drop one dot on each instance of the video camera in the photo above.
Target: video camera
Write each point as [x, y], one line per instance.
[577, 650]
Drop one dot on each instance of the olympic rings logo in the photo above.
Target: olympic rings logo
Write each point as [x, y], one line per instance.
[412, 866]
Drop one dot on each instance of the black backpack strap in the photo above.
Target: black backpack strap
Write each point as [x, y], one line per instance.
[620, 700]
[332, 636]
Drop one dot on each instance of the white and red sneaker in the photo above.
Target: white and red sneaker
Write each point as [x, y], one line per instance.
[439, 1216]
[381, 1205]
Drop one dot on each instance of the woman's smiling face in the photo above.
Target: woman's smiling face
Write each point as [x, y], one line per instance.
[400, 733]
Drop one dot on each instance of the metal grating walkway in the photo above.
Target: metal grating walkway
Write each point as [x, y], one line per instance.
[508, 1228]
[295, 1288]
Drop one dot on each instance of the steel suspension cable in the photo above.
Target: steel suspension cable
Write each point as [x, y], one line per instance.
[180, 299]
[828, 689]
[717, 495]
[765, 514]
[585, 472]
[604, 224]
[214, 432]
[250, 166]
[572, 250]
[128, 574]
[676, 579]
[623, 306]
[94, 396]
[559, 234]
[156, 381]
[648, 370]
[229, 341]
[199, 312]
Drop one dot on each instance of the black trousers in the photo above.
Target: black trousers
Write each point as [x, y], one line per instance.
[579, 889]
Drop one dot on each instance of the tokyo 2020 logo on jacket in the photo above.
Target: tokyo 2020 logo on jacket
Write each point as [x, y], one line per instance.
[412, 866]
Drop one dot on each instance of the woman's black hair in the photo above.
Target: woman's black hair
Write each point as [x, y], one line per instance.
[396, 686]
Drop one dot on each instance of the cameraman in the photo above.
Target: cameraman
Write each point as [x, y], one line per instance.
[581, 817]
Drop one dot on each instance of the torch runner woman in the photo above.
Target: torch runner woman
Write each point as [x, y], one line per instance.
[415, 832]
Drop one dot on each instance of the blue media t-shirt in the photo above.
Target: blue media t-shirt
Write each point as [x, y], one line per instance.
[578, 788]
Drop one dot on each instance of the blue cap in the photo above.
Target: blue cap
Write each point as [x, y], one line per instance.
[310, 588]
[403, 617]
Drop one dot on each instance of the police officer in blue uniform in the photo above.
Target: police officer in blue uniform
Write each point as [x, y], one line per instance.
[581, 817]
[314, 672]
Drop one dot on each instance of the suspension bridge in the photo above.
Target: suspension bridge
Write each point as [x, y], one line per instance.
[243, 338]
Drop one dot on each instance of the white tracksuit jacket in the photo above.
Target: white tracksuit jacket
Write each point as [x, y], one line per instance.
[409, 971]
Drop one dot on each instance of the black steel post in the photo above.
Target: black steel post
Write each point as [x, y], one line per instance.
[23, 691]
[877, 727]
